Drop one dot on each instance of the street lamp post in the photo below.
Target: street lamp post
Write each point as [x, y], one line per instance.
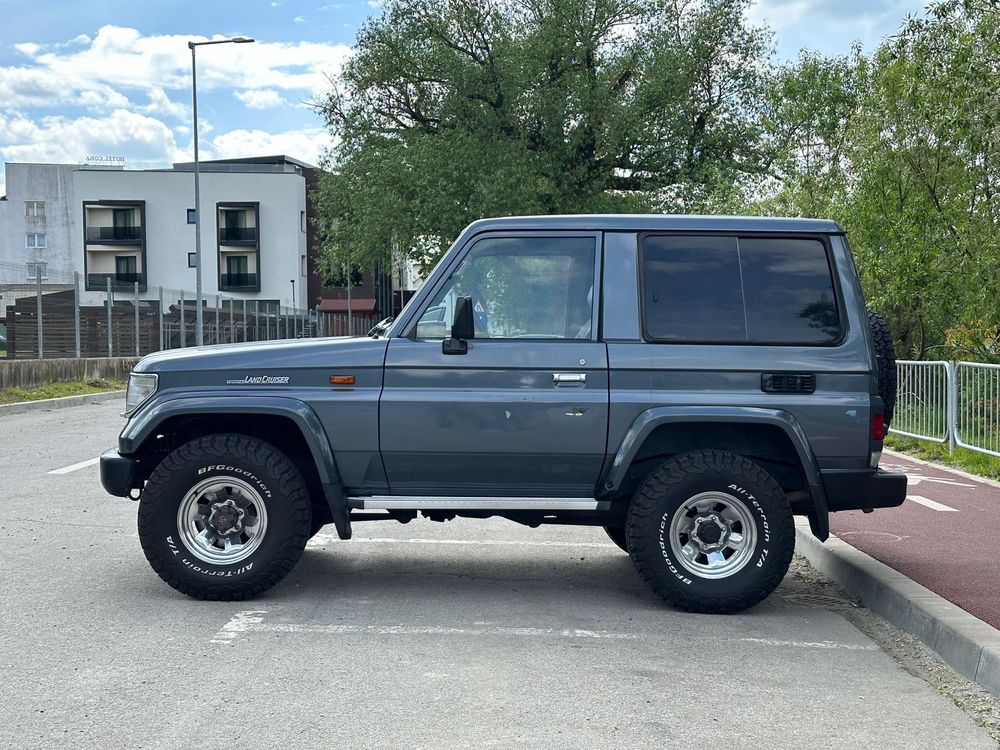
[199, 315]
[293, 293]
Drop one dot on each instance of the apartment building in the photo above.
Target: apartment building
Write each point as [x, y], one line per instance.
[119, 227]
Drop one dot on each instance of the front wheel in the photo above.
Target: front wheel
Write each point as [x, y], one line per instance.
[711, 532]
[224, 517]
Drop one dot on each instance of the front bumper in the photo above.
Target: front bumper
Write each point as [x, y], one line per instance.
[119, 474]
[863, 490]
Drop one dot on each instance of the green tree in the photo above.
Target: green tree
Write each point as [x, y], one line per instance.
[450, 111]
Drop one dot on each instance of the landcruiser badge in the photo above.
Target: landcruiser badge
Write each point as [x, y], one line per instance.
[259, 380]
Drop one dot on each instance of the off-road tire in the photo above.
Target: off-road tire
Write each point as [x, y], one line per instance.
[885, 357]
[663, 494]
[617, 534]
[267, 471]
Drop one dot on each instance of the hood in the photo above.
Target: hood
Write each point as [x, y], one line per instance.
[290, 354]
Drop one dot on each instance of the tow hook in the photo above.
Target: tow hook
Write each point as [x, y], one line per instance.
[135, 494]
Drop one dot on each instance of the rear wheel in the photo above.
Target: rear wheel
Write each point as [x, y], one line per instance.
[710, 532]
[224, 517]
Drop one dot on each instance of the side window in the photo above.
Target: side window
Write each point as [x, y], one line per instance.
[738, 290]
[521, 287]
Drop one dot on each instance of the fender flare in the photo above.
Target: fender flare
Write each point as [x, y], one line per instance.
[144, 424]
[648, 420]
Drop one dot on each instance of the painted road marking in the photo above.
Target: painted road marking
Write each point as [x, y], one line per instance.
[239, 623]
[75, 467]
[252, 621]
[810, 644]
[932, 504]
[323, 537]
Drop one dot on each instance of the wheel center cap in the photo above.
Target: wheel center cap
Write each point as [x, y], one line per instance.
[225, 518]
[709, 532]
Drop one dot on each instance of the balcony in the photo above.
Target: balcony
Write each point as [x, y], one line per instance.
[114, 234]
[238, 281]
[237, 235]
[97, 282]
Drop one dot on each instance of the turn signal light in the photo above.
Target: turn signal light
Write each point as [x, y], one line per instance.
[341, 380]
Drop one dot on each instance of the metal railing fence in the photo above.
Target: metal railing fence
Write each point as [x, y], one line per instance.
[949, 402]
[977, 408]
[922, 390]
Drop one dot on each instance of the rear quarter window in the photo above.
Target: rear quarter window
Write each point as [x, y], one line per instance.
[740, 290]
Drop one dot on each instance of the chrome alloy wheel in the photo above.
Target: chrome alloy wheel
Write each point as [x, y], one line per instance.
[713, 535]
[222, 520]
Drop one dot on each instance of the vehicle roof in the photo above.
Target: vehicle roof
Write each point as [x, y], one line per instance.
[654, 222]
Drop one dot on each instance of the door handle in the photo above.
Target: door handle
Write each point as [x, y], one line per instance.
[569, 378]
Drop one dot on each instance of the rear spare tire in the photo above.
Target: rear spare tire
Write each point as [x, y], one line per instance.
[885, 359]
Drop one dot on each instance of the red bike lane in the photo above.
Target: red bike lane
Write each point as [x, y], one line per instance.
[946, 535]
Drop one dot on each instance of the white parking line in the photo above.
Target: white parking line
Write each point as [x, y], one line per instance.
[75, 467]
[809, 644]
[932, 504]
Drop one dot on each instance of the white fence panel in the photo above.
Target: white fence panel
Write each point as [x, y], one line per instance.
[922, 400]
[977, 408]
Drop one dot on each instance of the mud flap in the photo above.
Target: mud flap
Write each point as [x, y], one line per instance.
[337, 501]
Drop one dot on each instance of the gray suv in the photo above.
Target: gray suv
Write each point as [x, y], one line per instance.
[687, 383]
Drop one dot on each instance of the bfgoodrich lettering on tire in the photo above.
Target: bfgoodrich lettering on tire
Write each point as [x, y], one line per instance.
[710, 532]
[224, 517]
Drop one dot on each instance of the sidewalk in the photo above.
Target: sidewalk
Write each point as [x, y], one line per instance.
[931, 567]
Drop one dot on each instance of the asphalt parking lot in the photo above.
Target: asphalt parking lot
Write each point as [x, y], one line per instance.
[465, 634]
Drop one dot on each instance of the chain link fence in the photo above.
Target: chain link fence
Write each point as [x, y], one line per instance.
[51, 314]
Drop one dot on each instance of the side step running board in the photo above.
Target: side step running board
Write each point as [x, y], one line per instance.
[414, 502]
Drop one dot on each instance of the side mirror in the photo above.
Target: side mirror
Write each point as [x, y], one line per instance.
[463, 328]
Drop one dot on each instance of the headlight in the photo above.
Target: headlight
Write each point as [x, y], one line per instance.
[140, 387]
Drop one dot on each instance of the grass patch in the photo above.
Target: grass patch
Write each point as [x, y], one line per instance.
[59, 390]
[971, 461]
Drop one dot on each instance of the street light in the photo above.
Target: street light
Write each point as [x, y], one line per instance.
[199, 316]
[293, 293]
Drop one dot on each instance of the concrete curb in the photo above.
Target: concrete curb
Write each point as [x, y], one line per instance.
[968, 644]
[48, 404]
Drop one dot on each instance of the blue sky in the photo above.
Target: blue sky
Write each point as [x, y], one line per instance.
[112, 77]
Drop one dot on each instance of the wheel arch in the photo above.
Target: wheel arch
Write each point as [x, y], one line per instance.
[665, 431]
[287, 423]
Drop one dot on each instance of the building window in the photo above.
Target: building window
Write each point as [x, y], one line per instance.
[302, 220]
[125, 268]
[34, 240]
[192, 216]
[305, 266]
[34, 209]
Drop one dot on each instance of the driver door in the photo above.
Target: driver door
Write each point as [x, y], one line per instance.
[524, 412]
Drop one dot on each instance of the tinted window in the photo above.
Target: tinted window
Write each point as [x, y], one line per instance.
[789, 291]
[692, 290]
[741, 290]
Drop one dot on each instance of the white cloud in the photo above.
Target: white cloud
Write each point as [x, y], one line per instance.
[24, 87]
[66, 140]
[299, 19]
[260, 98]
[123, 58]
[306, 144]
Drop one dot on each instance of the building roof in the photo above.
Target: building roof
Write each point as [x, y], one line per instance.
[276, 159]
[357, 305]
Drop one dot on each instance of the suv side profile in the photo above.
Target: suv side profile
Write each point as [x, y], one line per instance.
[687, 383]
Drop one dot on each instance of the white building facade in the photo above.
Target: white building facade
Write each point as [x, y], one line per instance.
[126, 227]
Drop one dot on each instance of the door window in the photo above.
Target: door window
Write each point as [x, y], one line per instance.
[521, 287]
